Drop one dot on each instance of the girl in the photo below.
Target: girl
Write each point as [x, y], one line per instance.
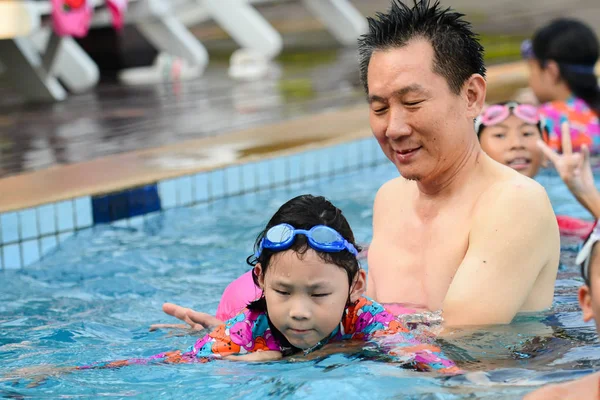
[561, 59]
[305, 262]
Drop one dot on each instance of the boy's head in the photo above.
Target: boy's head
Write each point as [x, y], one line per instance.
[305, 262]
[589, 261]
[508, 133]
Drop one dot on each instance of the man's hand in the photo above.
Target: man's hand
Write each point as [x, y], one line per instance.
[575, 170]
[194, 320]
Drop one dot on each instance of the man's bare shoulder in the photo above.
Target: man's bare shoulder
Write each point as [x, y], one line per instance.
[392, 189]
[523, 204]
[581, 389]
[516, 192]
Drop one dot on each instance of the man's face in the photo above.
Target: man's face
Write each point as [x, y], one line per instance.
[513, 142]
[421, 126]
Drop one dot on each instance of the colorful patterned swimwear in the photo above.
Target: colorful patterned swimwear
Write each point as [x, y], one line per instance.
[250, 332]
[584, 123]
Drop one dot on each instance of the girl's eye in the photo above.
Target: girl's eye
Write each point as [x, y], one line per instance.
[321, 294]
[281, 292]
[528, 134]
[499, 135]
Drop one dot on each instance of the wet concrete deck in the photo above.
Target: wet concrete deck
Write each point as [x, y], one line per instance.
[114, 119]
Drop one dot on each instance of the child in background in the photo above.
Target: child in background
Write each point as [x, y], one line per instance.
[561, 58]
[514, 135]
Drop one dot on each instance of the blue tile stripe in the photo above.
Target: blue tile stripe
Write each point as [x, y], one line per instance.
[29, 234]
[126, 204]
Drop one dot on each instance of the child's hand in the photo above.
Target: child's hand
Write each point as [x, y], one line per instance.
[197, 321]
[259, 356]
[575, 170]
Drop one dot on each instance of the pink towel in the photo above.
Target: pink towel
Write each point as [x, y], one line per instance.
[71, 17]
[117, 9]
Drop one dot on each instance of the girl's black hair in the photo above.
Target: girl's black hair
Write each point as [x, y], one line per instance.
[571, 44]
[304, 212]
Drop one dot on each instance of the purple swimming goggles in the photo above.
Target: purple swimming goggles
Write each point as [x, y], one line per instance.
[319, 237]
[528, 54]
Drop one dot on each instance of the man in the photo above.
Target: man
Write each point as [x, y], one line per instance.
[456, 231]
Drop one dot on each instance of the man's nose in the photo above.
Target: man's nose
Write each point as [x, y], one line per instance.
[397, 126]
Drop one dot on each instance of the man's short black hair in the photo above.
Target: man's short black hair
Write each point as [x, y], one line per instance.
[457, 51]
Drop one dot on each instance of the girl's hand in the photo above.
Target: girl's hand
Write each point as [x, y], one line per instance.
[575, 170]
[197, 321]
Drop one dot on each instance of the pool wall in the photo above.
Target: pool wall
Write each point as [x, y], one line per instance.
[27, 235]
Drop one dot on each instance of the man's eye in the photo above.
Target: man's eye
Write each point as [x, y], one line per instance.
[321, 294]
[282, 292]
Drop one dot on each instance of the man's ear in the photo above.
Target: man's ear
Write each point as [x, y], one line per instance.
[474, 91]
[258, 272]
[585, 302]
[359, 286]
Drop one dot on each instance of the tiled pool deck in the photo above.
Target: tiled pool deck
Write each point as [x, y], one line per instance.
[41, 209]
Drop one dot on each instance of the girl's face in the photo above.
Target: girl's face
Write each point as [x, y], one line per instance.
[512, 142]
[306, 296]
[589, 299]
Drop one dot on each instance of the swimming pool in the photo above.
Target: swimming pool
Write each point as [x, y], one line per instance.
[94, 298]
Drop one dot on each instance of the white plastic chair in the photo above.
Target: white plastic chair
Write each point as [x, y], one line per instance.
[341, 18]
[33, 59]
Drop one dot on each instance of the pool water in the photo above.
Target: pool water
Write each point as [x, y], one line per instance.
[95, 297]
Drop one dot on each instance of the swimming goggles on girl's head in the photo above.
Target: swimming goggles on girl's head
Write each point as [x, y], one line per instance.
[528, 54]
[584, 256]
[527, 49]
[320, 237]
[497, 113]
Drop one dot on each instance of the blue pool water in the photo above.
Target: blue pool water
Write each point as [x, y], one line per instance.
[94, 299]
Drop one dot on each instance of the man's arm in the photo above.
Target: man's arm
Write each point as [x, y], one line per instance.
[371, 292]
[378, 205]
[514, 236]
